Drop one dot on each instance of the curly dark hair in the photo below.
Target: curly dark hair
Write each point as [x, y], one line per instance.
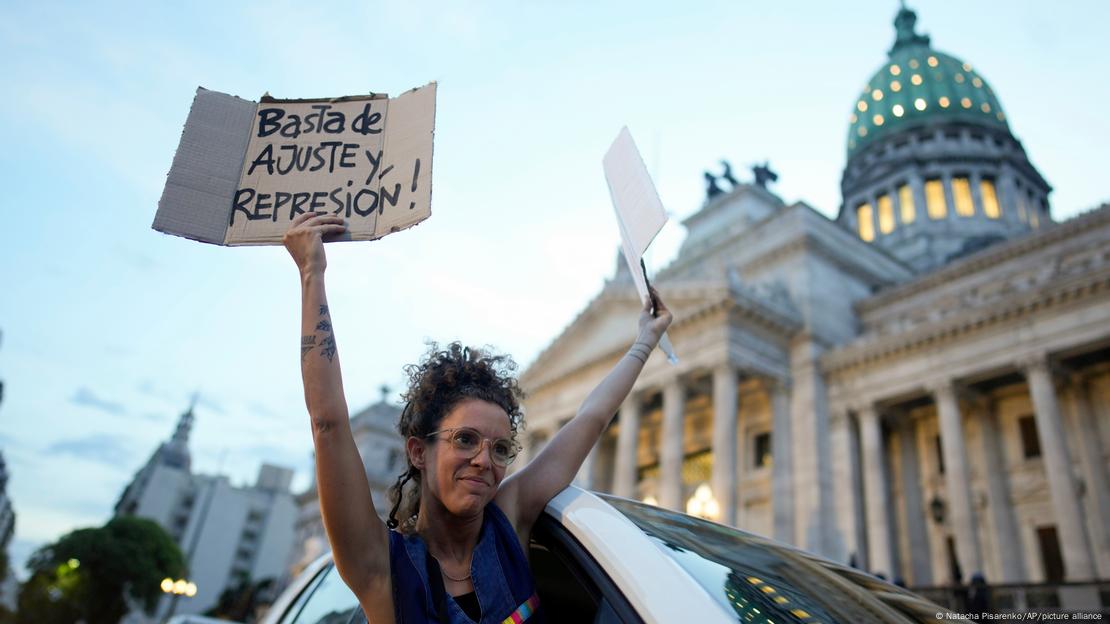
[442, 379]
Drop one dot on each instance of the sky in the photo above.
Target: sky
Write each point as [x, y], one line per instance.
[108, 327]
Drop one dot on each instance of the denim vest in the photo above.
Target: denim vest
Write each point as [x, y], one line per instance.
[499, 572]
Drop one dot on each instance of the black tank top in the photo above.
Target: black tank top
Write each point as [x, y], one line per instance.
[469, 604]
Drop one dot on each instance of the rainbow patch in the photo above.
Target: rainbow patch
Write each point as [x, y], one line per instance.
[524, 611]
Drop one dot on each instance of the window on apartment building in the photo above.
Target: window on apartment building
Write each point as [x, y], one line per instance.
[961, 195]
[762, 455]
[1030, 442]
[940, 455]
[1051, 558]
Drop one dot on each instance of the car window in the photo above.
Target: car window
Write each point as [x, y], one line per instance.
[326, 601]
[571, 585]
[762, 581]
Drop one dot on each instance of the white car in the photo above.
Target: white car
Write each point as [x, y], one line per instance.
[598, 558]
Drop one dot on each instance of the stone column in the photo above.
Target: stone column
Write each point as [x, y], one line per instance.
[627, 438]
[880, 555]
[1000, 506]
[782, 495]
[811, 468]
[724, 441]
[846, 483]
[921, 214]
[1078, 565]
[585, 477]
[671, 446]
[974, 180]
[1094, 473]
[957, 478]
[921, 572]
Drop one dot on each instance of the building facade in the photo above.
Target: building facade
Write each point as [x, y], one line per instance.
[227, 533]
[920, 387]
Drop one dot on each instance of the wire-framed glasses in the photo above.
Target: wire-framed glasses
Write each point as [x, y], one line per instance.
[469, 442]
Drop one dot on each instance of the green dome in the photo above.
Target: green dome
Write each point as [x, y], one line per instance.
[917, 86]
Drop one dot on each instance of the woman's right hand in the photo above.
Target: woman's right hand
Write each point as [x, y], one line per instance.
[305, 239]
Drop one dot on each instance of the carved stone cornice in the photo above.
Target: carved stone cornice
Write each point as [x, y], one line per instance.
[870, 349]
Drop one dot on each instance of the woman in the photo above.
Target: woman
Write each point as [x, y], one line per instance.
[459, 554]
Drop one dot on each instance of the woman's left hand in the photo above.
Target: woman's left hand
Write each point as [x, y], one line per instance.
[652, 327]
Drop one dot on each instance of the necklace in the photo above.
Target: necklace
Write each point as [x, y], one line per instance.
[443, 571]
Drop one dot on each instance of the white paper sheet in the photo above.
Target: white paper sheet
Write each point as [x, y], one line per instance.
[640, 214]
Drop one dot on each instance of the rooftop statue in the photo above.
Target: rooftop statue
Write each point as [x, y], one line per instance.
[763, 174]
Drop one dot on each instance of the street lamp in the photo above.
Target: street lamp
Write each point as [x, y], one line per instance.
[703, 504]
[180, 587]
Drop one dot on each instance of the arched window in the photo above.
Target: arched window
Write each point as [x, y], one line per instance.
[991, 207]
[961, 195]
[934, 199]
[905, 200]
[866, 224]
[886, 214]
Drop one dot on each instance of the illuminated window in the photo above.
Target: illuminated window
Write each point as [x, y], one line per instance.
[886, 214]
[1034, 218]
[898, 110]
[920, 104]
[1023, 212]
[895, 70]
[961, 195]
[905, 199]
[944, 102]
[914, 64]
[877, 120]
[986, 108]
[965, 102]
[877, 95]
[916, 79]
[960, 78]
[862, 106]
[967, 67]
[866, 226]
[1000, 116]
[934, 199]
[990, 199]
[895, 86]
[933, 61]
[862, 131]
[977, 82]
[853, 118]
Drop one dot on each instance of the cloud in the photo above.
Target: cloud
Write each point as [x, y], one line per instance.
[87, 398]
[102, 448]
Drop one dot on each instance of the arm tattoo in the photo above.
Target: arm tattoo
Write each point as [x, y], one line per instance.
[328, 347]
[323, 310]
[324, 326]
[307, 343]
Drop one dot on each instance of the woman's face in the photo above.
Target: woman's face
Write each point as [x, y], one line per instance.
[464, 486]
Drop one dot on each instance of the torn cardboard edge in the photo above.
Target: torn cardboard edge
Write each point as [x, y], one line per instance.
[213, 157]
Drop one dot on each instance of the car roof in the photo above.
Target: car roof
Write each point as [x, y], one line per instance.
[657, 587]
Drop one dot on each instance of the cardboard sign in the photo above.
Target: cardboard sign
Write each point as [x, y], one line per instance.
[244, 170]
[640, 214]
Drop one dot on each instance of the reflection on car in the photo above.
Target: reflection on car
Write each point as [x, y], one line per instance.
[603, 559]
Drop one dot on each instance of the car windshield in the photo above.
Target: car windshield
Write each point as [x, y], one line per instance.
[762, 581]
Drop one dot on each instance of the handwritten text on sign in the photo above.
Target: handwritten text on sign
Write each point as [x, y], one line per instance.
[365, 159]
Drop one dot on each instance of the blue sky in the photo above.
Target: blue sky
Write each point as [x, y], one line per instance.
[109, 327]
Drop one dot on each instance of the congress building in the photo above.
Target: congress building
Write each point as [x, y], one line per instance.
[920, 387]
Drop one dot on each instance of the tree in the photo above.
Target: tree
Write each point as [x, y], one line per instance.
[93, 574]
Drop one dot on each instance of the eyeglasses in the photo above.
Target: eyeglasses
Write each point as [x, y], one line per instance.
[469, 442]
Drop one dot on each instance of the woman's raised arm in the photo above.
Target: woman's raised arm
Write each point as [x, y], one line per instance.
[554, 468]
[359, 539]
